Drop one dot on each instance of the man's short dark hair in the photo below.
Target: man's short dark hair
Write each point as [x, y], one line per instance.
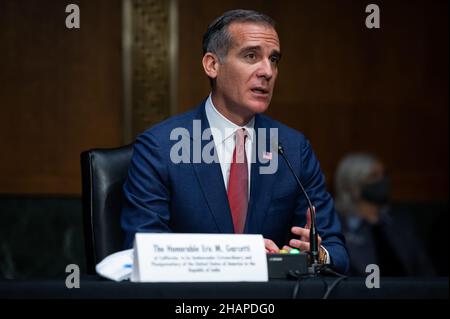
[217, 39]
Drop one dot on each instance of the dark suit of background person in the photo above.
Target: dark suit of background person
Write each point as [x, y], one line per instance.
[375, 234]
[162, 196]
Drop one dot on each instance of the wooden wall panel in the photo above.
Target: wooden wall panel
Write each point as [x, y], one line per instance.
[346, 87]
[60, 91]
[349, 88]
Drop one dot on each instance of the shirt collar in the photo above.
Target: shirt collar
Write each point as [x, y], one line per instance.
[224, 126]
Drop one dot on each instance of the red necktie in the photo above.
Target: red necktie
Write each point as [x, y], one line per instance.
[238, 183]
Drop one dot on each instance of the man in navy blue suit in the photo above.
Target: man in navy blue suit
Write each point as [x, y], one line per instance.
[215, 169]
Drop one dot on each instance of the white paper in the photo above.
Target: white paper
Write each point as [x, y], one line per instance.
[117, 266]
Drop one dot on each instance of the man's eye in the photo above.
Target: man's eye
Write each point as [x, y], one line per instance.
[251, 56]
[275, 59]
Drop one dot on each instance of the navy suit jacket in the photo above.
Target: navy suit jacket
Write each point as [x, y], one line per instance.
[162, 196]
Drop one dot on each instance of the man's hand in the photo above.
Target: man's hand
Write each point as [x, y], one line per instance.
[271, 247]
[301, 244]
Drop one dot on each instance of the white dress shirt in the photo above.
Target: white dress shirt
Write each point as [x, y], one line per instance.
[223, 132]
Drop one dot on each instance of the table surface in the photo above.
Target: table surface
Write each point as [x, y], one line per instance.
[92, 287]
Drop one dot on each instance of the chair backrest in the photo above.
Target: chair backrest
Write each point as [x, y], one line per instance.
[103, 172]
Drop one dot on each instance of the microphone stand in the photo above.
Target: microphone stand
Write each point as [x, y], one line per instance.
[315, 267]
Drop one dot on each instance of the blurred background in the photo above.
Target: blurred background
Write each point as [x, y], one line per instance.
[133, 63]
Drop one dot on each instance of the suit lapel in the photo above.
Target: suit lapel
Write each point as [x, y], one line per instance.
[211, 181]
[261, 184]
[212, 186]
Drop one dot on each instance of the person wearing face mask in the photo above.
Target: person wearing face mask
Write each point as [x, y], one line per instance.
[374, 233]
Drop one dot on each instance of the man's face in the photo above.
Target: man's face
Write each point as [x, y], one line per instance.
[246, 76]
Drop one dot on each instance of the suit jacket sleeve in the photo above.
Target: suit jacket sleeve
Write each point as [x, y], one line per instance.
[327, 221]
[146, 193]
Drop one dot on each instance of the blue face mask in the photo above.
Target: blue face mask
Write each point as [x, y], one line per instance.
[377, 192]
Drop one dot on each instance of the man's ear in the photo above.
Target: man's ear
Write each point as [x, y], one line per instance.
[211, 64]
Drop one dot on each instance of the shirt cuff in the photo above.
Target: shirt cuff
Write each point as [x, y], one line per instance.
[328, 259]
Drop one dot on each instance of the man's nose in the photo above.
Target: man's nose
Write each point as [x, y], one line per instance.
[265, 69]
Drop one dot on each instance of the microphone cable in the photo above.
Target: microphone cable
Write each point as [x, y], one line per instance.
[340, 277]
[301, 278]
[328, 289]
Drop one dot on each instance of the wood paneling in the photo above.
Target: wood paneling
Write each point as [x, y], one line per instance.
[346, 87]
[60, 91]
[349, 88]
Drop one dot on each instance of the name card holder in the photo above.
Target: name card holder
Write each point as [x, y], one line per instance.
[198, 258]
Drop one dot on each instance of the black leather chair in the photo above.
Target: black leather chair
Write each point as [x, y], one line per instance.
[103, 172]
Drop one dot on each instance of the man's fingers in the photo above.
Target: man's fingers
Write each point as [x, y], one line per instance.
[271, 247]
[287, 248]
[300, 231]
[308, 217]
[299, 244]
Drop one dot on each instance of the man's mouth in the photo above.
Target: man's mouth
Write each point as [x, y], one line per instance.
[260, 90]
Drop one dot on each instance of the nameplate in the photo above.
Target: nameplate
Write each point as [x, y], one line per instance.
[198, 258]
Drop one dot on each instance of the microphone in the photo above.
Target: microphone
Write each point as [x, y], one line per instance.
[313, 235]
